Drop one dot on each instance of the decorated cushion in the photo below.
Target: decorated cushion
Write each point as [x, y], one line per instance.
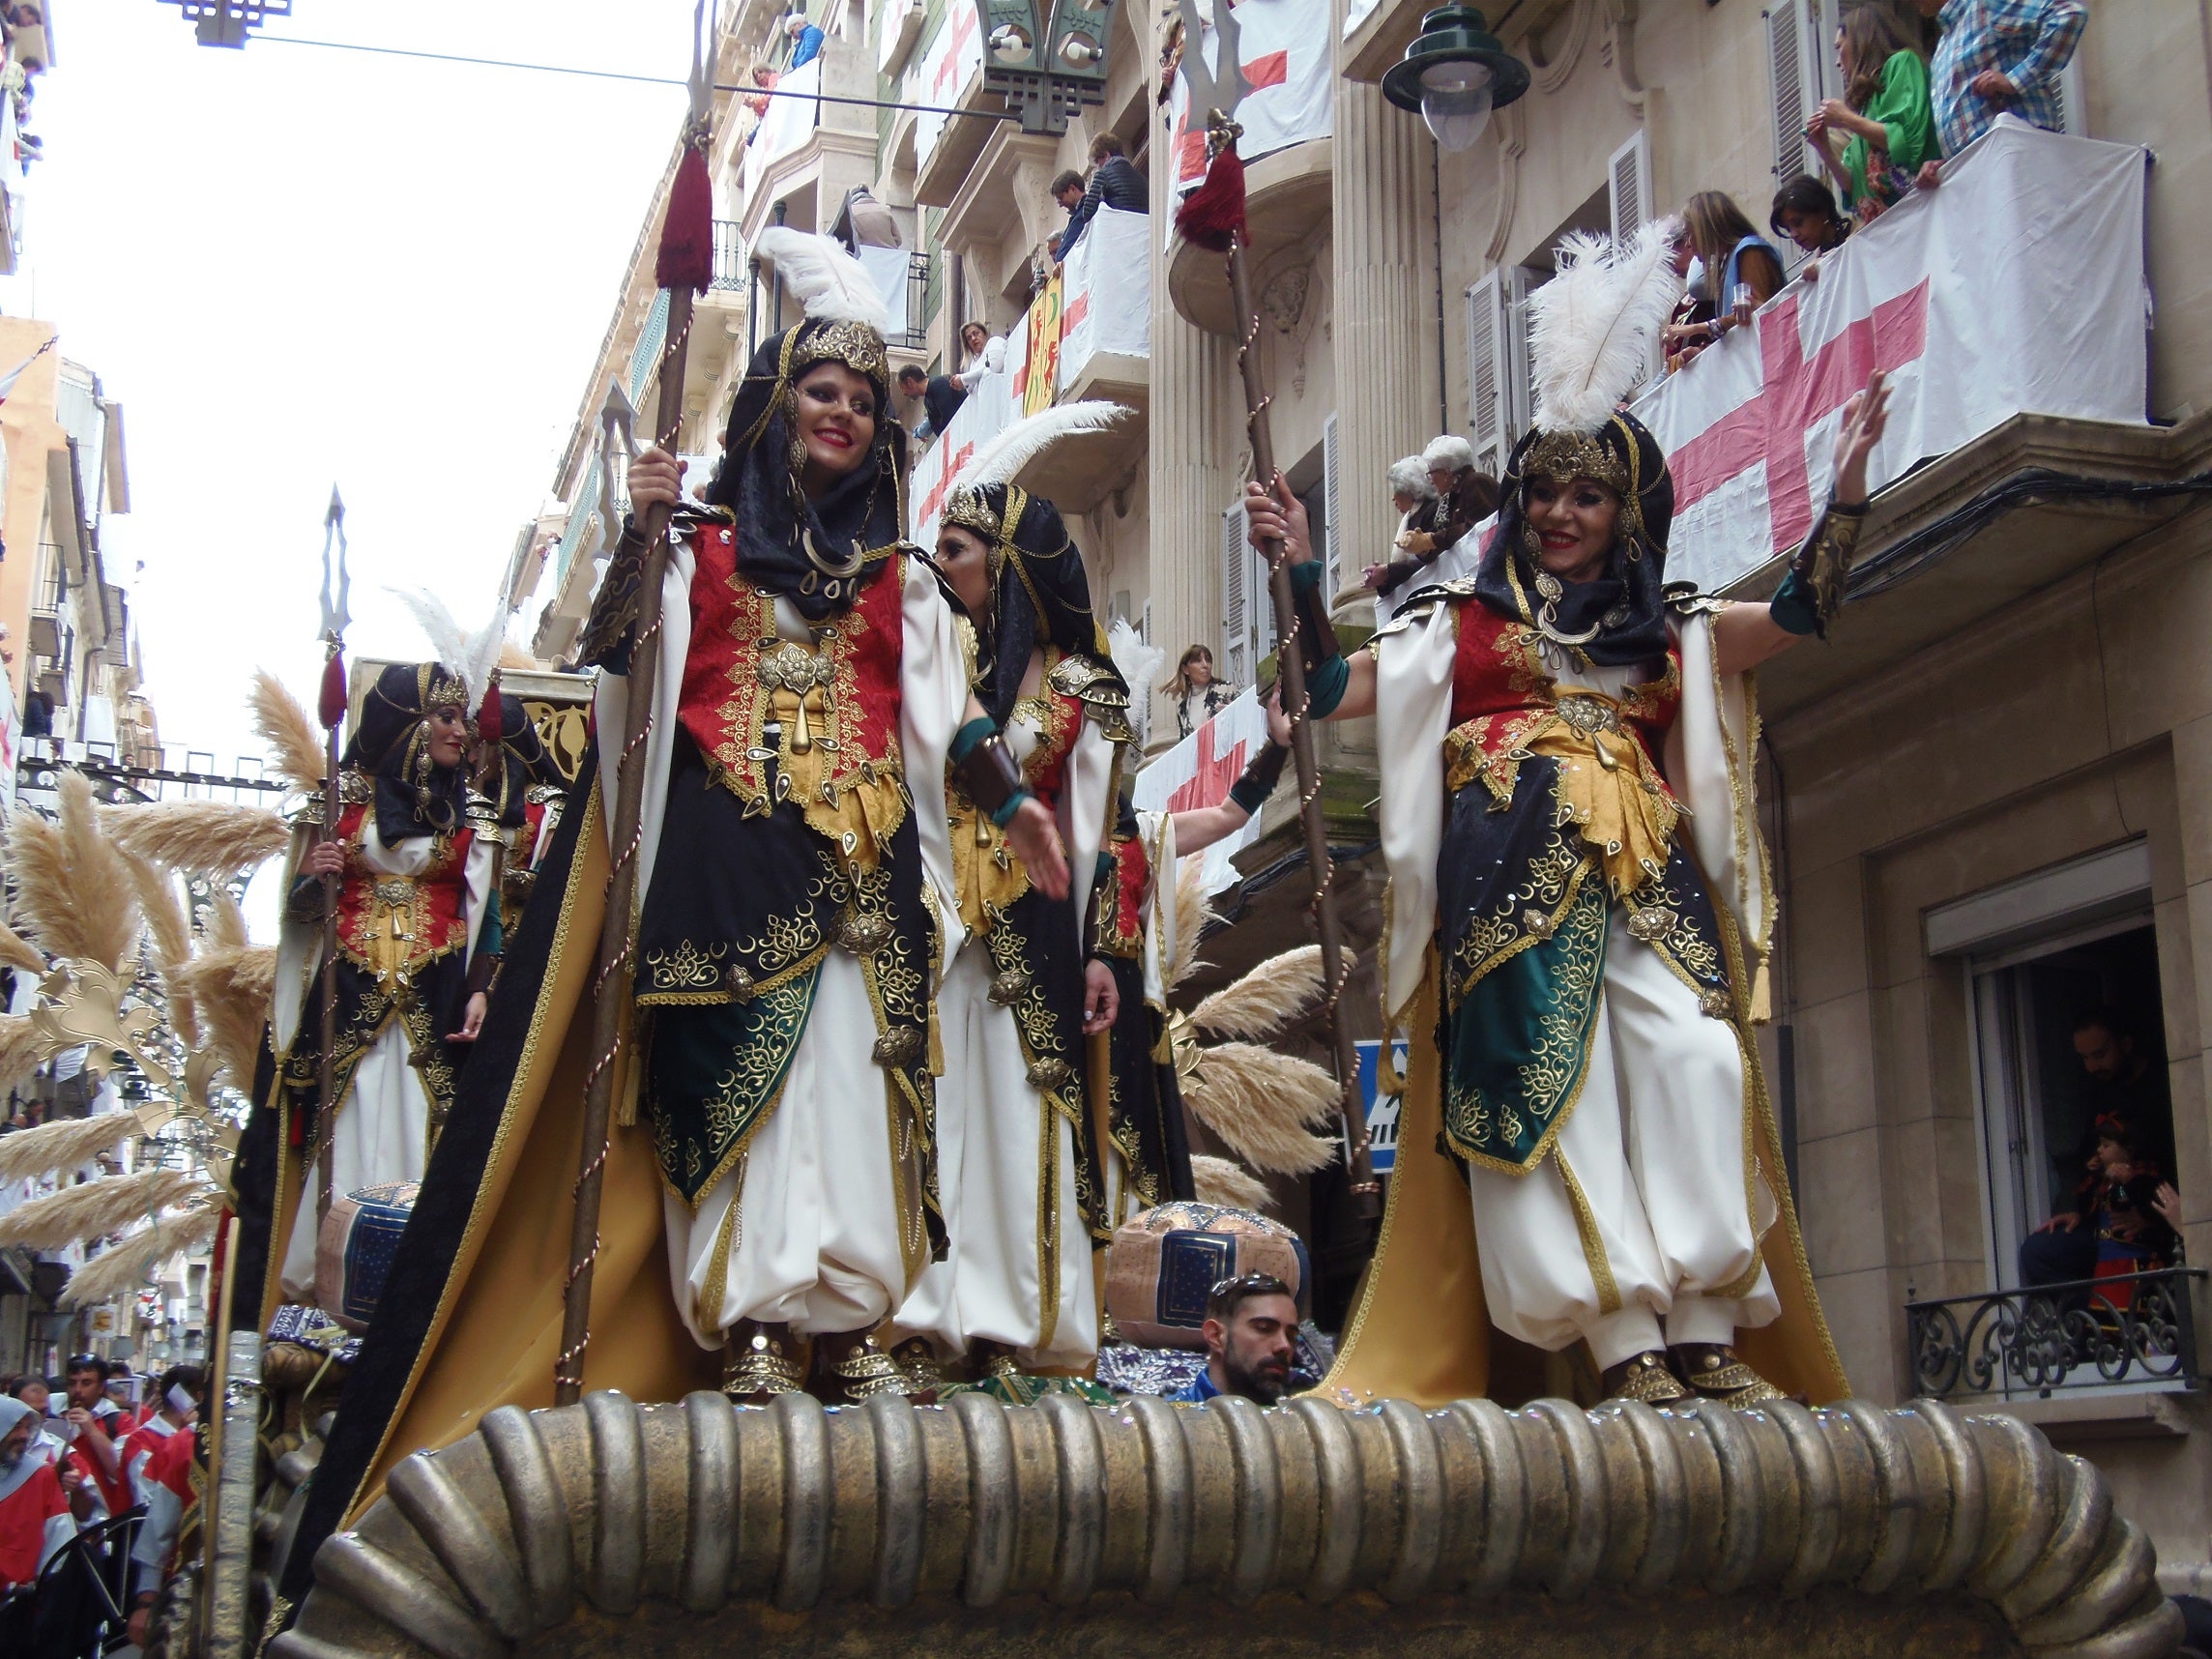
[353, 1256]
[1164, 1263]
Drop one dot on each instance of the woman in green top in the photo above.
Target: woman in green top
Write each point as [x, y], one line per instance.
[1885, 117]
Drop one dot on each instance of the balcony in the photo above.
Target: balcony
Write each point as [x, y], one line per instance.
[2132, 1330]
[1287, 198]
[2003, 469]
[809, 150]
[1101, 350]
[948, 74]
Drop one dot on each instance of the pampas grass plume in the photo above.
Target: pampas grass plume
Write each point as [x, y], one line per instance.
[65, 1144]
[295, 742]
[1217, 1181]
[1261, 1104]
[211, 838]
[124, 1266]
[95, 1207]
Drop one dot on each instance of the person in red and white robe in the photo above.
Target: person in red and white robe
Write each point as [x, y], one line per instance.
[35, 1520]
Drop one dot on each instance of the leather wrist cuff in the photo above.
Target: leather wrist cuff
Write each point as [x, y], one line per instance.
[987, 770]
[482, 970]
[1260, 777]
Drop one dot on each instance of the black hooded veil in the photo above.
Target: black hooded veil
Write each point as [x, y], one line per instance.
[390, 746]
[1040, 594]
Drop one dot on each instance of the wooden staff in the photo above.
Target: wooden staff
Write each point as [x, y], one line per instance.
[1214, 217]
[685, 262]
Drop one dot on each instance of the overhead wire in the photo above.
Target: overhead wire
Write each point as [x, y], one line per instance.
[636, 79]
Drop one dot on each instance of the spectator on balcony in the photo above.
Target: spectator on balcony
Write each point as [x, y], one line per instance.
[1884, 123]
[1410, 491]
[1114, 183]
[1195, 692]
[914, 390]
[986, 355]
[807, 39]
[38, 714]
[1805, 212]
[1730, 271]
[765, 78]
[1998, 57]
[1464, 499]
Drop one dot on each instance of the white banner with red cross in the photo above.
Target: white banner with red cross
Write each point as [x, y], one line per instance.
[950, 61]
[1198, 772]
[1283, 88]
[2015, 286]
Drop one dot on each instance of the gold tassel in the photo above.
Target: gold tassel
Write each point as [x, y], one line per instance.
[1761, 996]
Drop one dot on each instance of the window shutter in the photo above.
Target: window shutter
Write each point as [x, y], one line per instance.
[1792, 63]
[1517, 362]
[1485, 374]
[1333, 519]
[2073, 105]
[1629, 185]
[1235, 599]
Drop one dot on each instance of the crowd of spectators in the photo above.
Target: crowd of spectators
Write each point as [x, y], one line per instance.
[1901, 116]
[87, 1463]
[1113, 183]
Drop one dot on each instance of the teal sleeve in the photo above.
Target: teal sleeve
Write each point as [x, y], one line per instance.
[1013, 805]
[1306, 577]
[1325, 688]
[965, 739]
[1793, 607]
[491, 935]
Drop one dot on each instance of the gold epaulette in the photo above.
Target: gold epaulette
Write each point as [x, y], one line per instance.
[1098, 689]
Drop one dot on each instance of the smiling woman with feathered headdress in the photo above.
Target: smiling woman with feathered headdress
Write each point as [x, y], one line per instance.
[1578, 911]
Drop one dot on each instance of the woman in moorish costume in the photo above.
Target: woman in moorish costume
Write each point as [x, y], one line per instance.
[419, 938]
[811, 693]
[1020, 1159]
[1587, 955]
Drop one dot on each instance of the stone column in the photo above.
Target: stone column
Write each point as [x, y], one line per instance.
[1189, 462]
[1382, 215]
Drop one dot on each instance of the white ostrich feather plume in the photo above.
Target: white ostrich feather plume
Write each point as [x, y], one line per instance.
[1139, 664]
[827, 279]
[471, 656]
[1592, 326]
[1001, 461]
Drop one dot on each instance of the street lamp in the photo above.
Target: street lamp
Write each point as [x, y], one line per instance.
[1048, 57]
[1455, 73]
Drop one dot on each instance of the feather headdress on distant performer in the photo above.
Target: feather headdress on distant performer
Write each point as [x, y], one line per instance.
[1591, 334]
[816, 547]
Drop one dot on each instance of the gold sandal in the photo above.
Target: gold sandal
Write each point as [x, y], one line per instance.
[917, 1363]
[1644, 1377]
[1713, 1370]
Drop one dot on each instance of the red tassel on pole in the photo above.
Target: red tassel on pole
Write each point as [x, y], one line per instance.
[686, 256]
[491, 715]
[331, 706]
[1212, 215]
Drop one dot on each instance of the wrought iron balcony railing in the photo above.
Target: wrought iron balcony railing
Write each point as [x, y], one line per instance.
[732, 272]
[2130, 1330]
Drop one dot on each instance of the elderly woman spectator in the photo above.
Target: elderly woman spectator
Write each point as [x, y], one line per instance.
[1464, 499]
[1412, 490]
[1195, 692]
[806, 40]
[1884, 118]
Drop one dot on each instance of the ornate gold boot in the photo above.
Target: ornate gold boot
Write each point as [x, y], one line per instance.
[759, 1363]
[850, 1368]
[1713, 1370]
[917, 1363]
[1644, 1377]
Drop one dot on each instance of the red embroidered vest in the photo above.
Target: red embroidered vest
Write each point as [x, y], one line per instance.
[394, 925]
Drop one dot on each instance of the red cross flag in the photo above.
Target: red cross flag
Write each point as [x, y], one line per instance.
[2015, 286]
[1198, 772]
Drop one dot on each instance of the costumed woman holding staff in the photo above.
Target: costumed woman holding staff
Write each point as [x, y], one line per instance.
[1020, 1154]
[419, 939]
[1577, 898]
[794, 857]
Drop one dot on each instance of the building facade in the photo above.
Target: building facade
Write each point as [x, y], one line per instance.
[1987, 795]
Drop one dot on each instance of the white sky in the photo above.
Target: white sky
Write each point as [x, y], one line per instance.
[294, 266]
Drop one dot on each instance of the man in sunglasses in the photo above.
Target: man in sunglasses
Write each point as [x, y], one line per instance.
[1251, 1334]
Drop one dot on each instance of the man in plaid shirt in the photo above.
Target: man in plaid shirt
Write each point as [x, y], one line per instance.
[1999, 57]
